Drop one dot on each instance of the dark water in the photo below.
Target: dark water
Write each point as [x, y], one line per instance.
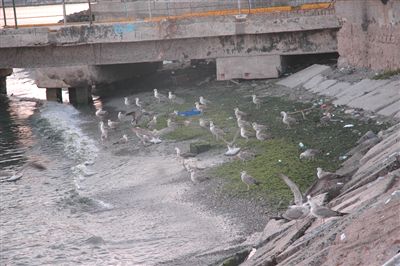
[96, 204]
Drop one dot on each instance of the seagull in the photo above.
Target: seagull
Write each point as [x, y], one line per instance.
[321, 174]
[203, 123]
[300, 210]
[138, 103]
[248, 180]
[322, 211]
[242, 123]
[287, 120]
[127, 102]
[146, 136]
[122, 140]
[245, 133]
[256, 101]
[261, 135]
[171, 96]
[112, 124]
[217, 132]
[184, 155]
[258, 126]
[204, 101]
[200, 107]
[104, 131]
[195, 177]
[232, 150]
[246, 155]
[309, 154]
[239, 113]
[101, 113]
[157, 95]
[121, 116]
[153, 122]
[170, 123]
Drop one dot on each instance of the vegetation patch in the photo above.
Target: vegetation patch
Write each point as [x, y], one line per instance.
[387, 74]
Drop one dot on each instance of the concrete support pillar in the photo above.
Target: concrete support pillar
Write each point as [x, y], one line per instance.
[80, 96]
[249, 67]
[54, 94]
[3, 77]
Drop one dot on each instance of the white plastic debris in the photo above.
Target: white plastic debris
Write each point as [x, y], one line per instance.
[251, 254]
[342, 237]
[341, 158]
[348, 125]
[301, 145]
[279, 161]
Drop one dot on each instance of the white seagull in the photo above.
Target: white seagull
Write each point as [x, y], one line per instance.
[200, 107]
[204, 101]
[157, 95]
[321, 174]
[309, 154]
[171, 96]
[239, 113]
[121, 116]
[101, 113]
[256, 101]
[217, 132]
[112, 124]
[322, 211]
[248, 179]
[127, 102]
[287, 120]
[138, 103]
[104, 131]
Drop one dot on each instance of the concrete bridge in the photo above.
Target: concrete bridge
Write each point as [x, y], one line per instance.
[247, 45]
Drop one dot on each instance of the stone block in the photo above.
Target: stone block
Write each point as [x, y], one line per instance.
[249, 67]
[380, 98]
[357, 90]
[320, 88]
[336, 88]
[390, 110]
[303, 76]
[313, 82]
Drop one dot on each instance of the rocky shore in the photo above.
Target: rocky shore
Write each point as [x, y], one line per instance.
[370, 194]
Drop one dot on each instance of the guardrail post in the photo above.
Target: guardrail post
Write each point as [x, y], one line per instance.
[149, 7]
[64, 13]
[90, 14]
[15, 14]
[4, 13]
[238, 3]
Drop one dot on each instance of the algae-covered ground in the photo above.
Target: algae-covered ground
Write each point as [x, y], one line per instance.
[278, 155]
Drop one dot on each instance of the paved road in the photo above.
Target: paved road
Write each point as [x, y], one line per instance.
[39, 15]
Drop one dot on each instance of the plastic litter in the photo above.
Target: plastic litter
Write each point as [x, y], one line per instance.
[348, 125]
[191, 112]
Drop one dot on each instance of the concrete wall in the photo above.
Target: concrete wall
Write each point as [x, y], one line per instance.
[249, 67]
[370, 36]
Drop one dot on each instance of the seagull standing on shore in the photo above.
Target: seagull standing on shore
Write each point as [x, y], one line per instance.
[244, 133]
[127, 102]
[171, 96]
[321, 174]
[248, 179]
[239, 113]
[256, 101]
[122, 140]
[157, 95]
[322, 211]
[242, 123]
[100, 113]
[287, 120]
[104, 131]
[121, 116]
[138, 103]
[217, 132]
[258, 126]
[204, 101]
[153, 122]
[200, 107]
[309, 154]
[112, 124]
[260, 135]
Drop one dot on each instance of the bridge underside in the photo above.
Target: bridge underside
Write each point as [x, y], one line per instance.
[285, 43]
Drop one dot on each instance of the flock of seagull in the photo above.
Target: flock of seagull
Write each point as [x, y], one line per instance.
[149, 134]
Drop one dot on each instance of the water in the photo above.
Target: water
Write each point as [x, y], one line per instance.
[96, 204]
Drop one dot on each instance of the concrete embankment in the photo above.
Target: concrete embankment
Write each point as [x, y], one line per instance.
[369, 186]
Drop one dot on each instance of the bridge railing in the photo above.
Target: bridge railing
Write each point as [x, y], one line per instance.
[143, 10]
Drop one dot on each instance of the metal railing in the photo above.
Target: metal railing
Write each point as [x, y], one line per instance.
[145, 10]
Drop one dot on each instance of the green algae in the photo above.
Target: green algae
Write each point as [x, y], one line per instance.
[278, 155]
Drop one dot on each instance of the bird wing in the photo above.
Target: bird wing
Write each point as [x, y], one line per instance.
[326, 212]
[234, 138]
[250, 180]
[297, 212]
[298, 196]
